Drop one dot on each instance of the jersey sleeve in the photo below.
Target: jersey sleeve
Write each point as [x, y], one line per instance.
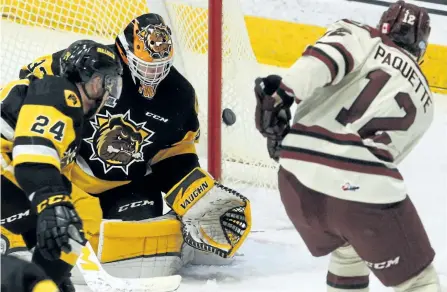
[44, 65]
[189, 136]
[335, 55]
[45, 125]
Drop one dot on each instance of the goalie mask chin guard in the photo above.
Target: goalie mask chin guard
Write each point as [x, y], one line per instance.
[146, 46]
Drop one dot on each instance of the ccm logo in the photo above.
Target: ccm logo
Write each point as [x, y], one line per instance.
[383, 265]
[135, 204]
[157, 117]
[51, 201]
[14, 217]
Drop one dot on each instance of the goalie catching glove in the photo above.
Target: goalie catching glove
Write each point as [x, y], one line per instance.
[214, 218]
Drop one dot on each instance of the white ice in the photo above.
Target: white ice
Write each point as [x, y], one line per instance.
[274, 257]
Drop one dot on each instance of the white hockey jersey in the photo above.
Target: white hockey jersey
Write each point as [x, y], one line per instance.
[364, 105]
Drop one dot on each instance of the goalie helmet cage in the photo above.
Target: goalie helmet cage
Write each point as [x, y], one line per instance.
[212, 50]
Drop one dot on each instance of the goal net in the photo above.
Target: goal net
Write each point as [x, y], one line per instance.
[33, 28]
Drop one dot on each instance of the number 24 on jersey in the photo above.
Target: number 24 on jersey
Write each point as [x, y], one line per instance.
[43, 124]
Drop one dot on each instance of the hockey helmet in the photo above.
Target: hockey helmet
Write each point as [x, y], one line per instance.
[85, 59]
[408, 26]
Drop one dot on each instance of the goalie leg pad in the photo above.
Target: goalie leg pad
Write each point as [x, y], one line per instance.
[148, 248]
[214, 217]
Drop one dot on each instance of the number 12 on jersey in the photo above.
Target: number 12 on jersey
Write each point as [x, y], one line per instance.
[43, 124]
[377, 81]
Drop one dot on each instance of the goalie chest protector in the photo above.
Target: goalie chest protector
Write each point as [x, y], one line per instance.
[120, 142]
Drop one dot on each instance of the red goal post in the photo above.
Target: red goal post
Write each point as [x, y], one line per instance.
[215, 88]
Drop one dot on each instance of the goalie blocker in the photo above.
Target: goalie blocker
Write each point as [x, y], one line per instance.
[214, 218]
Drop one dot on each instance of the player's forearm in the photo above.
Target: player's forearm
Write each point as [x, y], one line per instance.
[177, 166]
[37, 176]
[307, 75]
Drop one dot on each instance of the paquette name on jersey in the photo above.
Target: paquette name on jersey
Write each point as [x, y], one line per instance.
[118, 141]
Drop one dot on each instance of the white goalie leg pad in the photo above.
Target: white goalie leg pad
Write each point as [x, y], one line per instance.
[215, 218]
[142, 249]
[139, 249]
[347, 271]
[426, 281]
[98, 280]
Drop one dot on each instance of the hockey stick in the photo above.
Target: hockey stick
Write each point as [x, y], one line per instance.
[98, 280]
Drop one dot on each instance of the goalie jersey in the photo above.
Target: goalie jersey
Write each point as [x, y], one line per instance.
[131, 135]
[367, 109]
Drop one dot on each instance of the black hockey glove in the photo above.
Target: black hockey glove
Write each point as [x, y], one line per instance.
[57, 221]
[272, 114]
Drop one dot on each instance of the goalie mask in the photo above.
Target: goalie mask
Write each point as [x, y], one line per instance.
[146, 47]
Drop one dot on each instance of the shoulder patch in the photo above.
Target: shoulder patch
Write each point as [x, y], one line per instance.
[71, 99]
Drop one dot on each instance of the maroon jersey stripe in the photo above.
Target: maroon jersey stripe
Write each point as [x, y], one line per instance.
[341, 139]
[338, 162]
[325, 58]
[347, 56]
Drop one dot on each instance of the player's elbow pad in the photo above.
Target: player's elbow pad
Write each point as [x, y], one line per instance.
[36, 176]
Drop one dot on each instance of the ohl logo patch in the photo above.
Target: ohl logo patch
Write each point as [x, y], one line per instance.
[118, 141]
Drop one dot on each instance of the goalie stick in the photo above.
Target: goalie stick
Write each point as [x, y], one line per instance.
[98, 280]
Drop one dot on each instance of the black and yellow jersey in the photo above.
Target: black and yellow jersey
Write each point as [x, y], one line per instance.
[41, 121]
[132, 134]
[44, 65]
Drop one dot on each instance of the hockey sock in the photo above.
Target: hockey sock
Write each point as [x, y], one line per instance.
[347, 272]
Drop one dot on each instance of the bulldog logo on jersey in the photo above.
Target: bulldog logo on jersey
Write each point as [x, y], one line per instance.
[118, 141]
[157, 40]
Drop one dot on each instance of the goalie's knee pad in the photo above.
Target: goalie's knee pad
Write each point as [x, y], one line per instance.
[347, 271]
[426, 281]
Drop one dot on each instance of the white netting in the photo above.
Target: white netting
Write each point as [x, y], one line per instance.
[34, 28]
[244, 152]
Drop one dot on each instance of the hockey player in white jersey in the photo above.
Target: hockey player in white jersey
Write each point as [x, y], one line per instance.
[363, 104]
